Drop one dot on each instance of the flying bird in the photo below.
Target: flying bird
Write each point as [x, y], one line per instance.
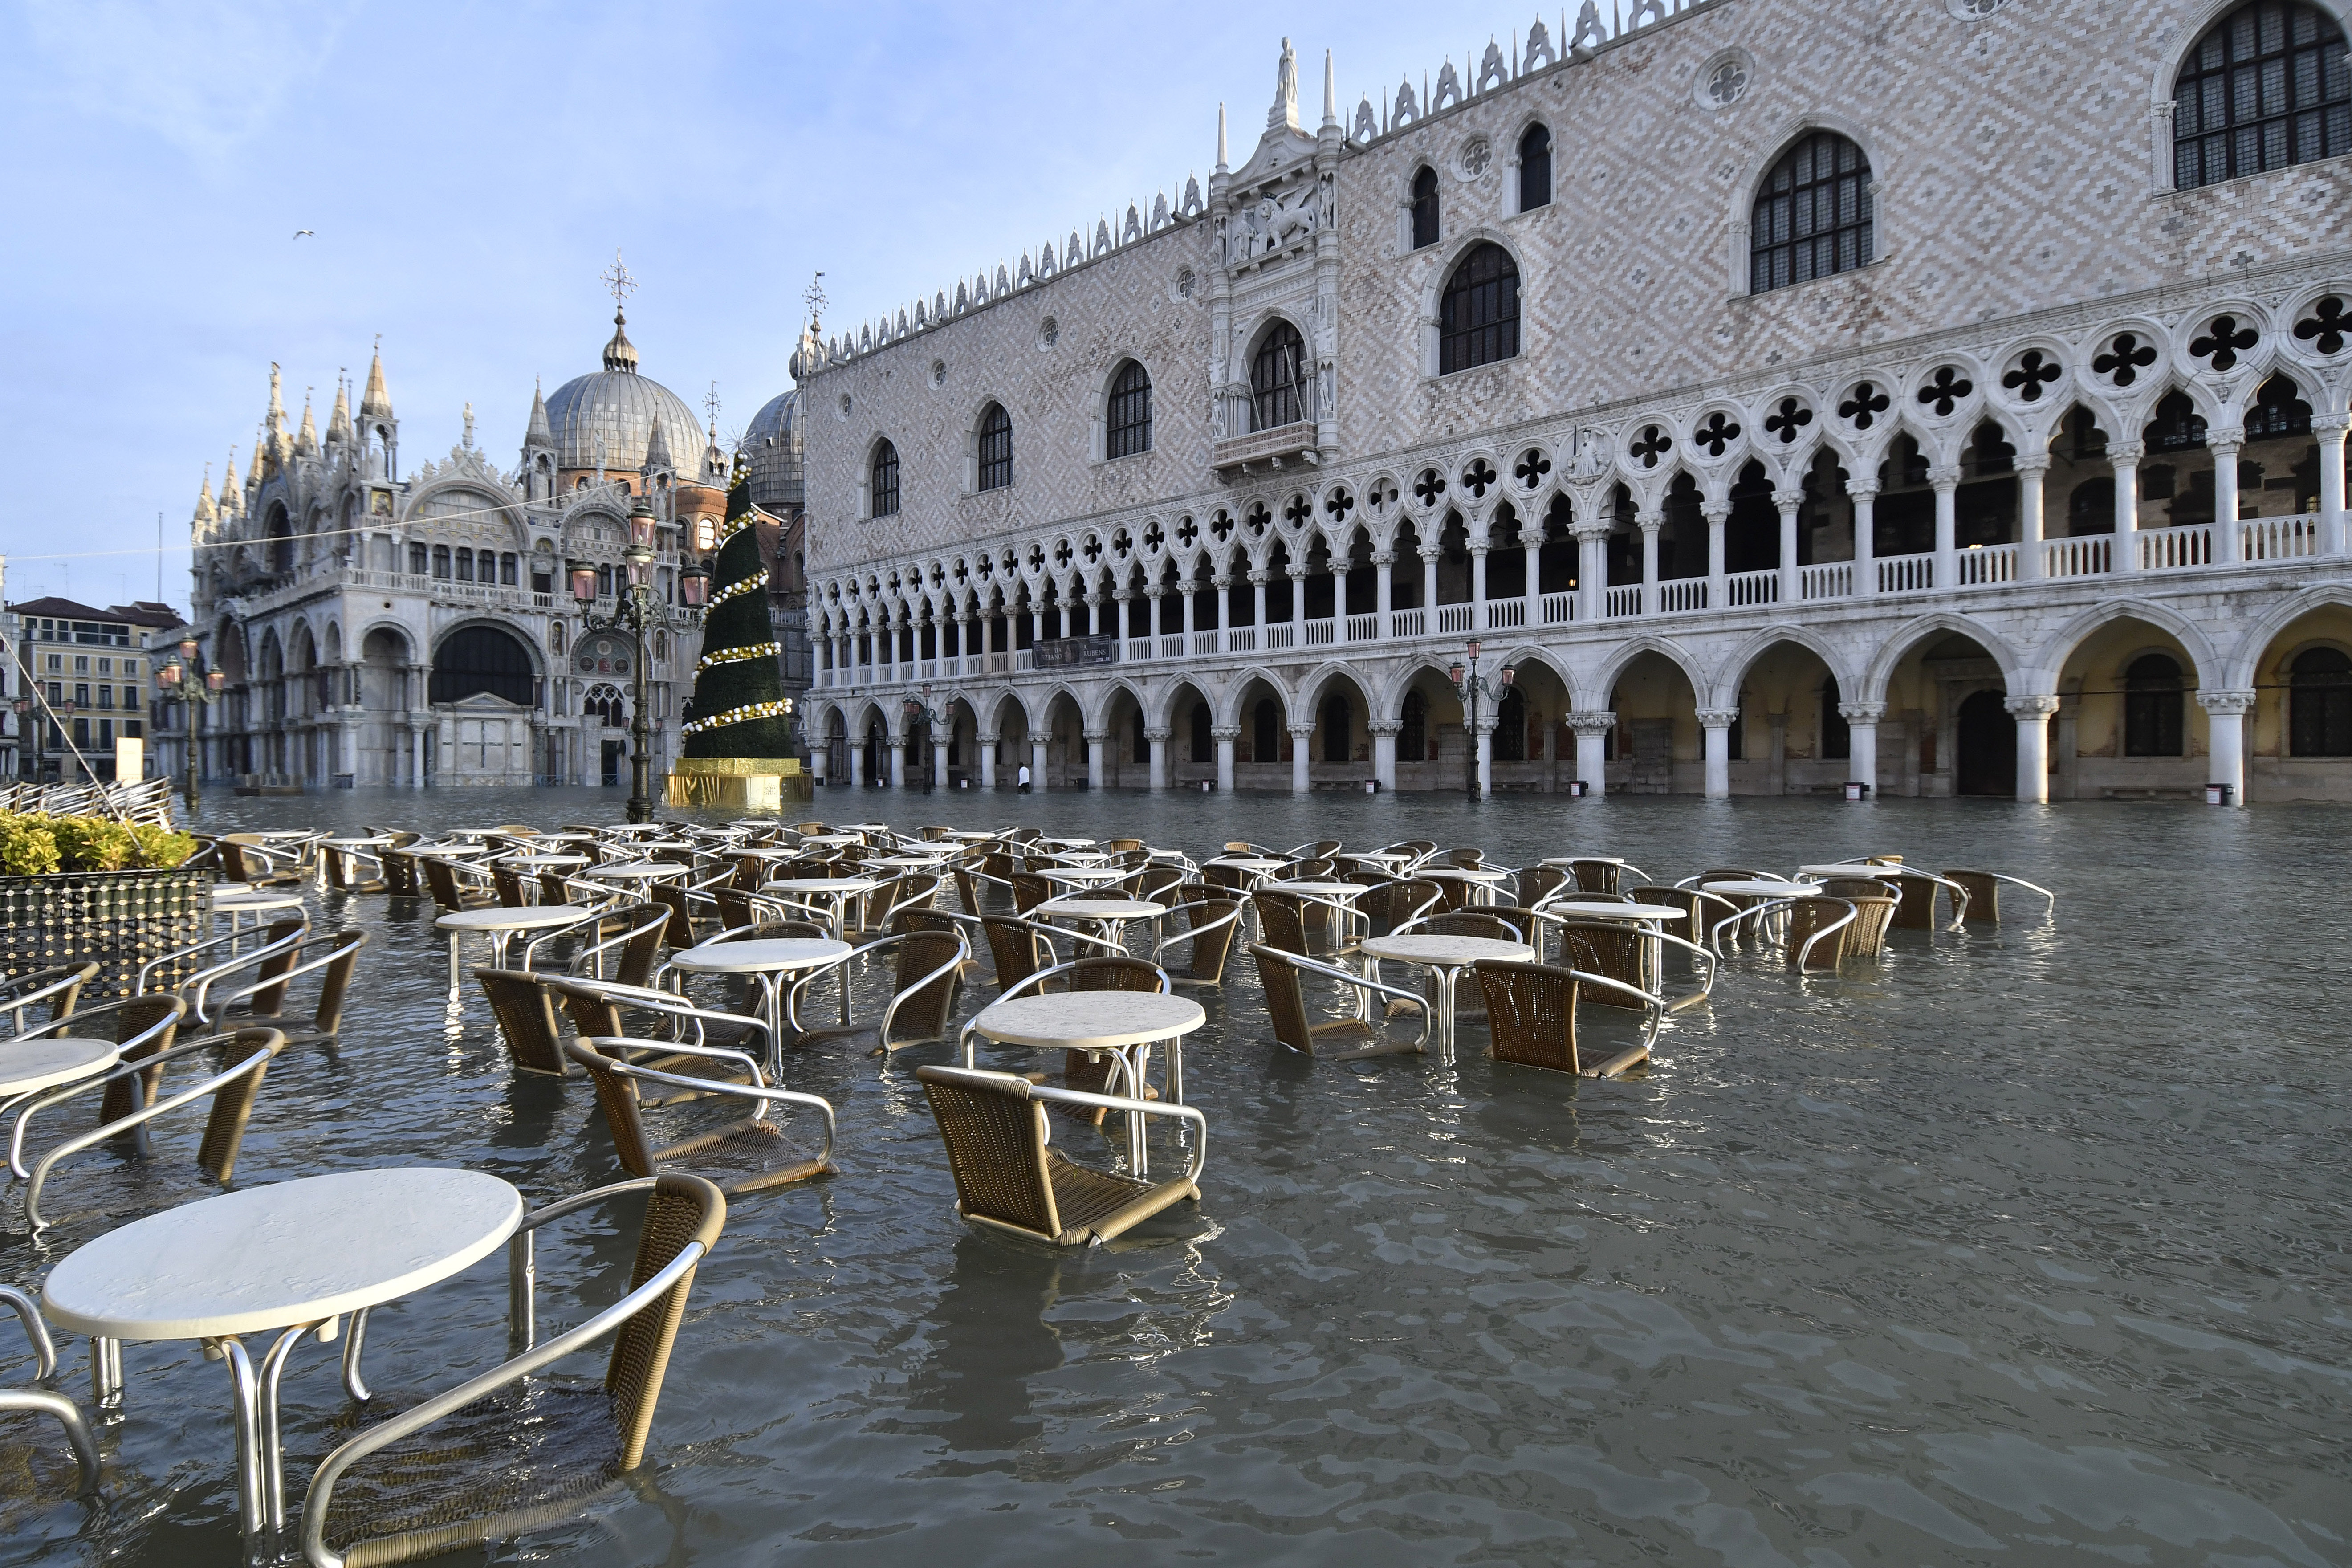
[311, 232]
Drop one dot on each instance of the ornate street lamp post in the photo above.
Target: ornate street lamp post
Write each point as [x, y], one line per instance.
[636, 610]
[1469, 686]
[919, 709]
[186, 679]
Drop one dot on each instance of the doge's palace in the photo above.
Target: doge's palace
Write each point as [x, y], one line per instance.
[1947, 396]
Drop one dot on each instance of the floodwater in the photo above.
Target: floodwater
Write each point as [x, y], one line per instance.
[2026, 1245]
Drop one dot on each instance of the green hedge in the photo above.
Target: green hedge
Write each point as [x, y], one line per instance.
[32, 845]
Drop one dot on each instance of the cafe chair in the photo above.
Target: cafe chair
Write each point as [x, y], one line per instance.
[143, 1027]
[1090, 1070]
[457, 886]
[1010, 1178]
[1029, 891]
[245, 1059]
[1812, 929]
[1983, 891]
[928, 970]
[1282, 976]
[49, 1402]
[1915, 892]
[751, 1153]
[610, 1010]
[1391, 904]
[1205, 929]
[347, 871]
[1703, 911]
[1874, 904]
[198, 977]
[630, 934]
[508, 1452]
[1536, 883]
[57, 989]
[1632, 957]
[333, 956]
[1531, 1016]
[249, 859]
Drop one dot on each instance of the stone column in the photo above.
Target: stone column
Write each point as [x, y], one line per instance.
[1381, 585]
[1225, 735]
[1478, 586]
[1037, 765]
[2225, 738]
[1947, 483]
[1861, 730]
[1649, 522]
[1095, 740]
[1718, 596]
[2032, 469]
[940, 757]
[1257, 604]
[987, 745]
[2033, 746]
[1591, 735]
[2330, 431]
[1302, 758]
[1339, 599]
[1865, 496]
[2229, 545]
[857, 763]
[415, 753]
[1531, 546]
[1122, 619]
[1384, 734]
[1429, 588]
[1791, 589]
[2123, 457]
[1192, 606]
[1298, 606]
[898, 761]
[1158, 741]
[1485, 738]
[1717, 722]
[1593, 568]
[1223, 607]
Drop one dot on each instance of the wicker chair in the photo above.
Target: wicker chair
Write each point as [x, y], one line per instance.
[1009, 1179]
[1029, 891]
[1873, 913]
[246, 1056]
[922, 1009]
[1281, 974]
[346, 871]
[57, 989]
[249, 859]
[1536, 883]
[1393, 903]
[441, 879]
[1210, 926]
[143, 1027]
[1983, 891]
[1531, 1014]
[602, 1009]
[1320, 850]
[1281, 919]
[1631, 957]
[631, 935]
[1820, 933]
[499, 1456]
[747, 1154]
[47, 1401]
[331, 956]
[1703, 911]
[524, 1008]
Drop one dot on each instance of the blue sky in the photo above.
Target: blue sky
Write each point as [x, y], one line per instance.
[471, 170]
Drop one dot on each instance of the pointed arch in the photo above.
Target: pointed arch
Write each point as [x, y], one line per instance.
[1873, 687]
[2060, 645]
[2238, 667]
[1595, 696]
[1733, 671]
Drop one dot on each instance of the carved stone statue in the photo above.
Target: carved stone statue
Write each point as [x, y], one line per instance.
[1285, 89]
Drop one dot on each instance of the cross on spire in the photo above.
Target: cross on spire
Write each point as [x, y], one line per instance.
[814, 300]
[710, 404]
[618, 283]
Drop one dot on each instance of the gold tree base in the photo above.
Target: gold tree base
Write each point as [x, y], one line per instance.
[745, 784]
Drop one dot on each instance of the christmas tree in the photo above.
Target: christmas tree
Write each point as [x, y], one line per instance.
[737, 708]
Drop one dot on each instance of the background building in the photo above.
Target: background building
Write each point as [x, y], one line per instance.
[97, 671]
[1946, 394]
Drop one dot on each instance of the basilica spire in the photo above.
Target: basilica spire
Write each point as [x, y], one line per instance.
[538, 433]
[205, 510]
[339, 419]
[306, 439]
[375, 402]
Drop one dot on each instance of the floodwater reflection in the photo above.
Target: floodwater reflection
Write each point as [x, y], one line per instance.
[2023, 1246]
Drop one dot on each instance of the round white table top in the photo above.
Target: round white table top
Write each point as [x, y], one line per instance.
[824, 885]
[531, 917]
[636, 870]
[377, 842]
[1083, 876]
[447, 851]
[270, 1257]
[1089, 1020]
[1858, 869]
[638, 827]
[1595, 859]
[1081, 857]
[1760, 889]
[244, 898]
[1448, 949]
[971, 834]
[54, 1059]
[1099, 909]
[1461, 873]
[567, 838]
[1603, 909]
[647, 846]
[1318, 889]
[831, 840]
[1068, 843]
[1248, 863]
[546, 862]
[777, 952]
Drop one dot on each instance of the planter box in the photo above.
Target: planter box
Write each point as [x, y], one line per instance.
[119, 920]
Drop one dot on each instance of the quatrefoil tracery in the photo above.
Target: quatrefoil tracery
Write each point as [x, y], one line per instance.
[1718, 432]
[2124, 360]
[2224, 342]
[1791, 417]
[1945, 390]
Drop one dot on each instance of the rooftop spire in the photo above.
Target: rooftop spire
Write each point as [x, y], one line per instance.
[1330, 92]
[620, 353]
[339, 419]
[306, 440]
[375, 402]
[1221, 139]
[205, 512]
[540, 431]
[230, 499]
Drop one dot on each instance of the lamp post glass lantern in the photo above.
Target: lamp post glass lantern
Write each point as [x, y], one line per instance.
[637, 611]
[198, 688]
[1470, 686]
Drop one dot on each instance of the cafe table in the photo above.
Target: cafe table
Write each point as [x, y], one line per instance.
[1125, 1024]
[500, 923]
[1108, 916]
[288, 1260]
[767, 959]
[1445, 957]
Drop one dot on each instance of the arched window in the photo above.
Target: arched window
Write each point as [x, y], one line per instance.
[604, 705]
[1278, 377]
[2266, 87]
[1127, 422]
[1424, 209]
[508, 564]
[2279, 411]
[996, 448]
[2152, 706]
[1812, 215]
[481, 658]
[1535, 168]
[1479, 318]
[882, 481]
[2319, 721]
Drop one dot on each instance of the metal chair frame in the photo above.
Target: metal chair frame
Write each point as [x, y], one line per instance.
[46, 1401]
[1364, 989]
[60, 987]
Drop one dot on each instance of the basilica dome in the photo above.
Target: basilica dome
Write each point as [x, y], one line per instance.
[771, 445]
[621, 408]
